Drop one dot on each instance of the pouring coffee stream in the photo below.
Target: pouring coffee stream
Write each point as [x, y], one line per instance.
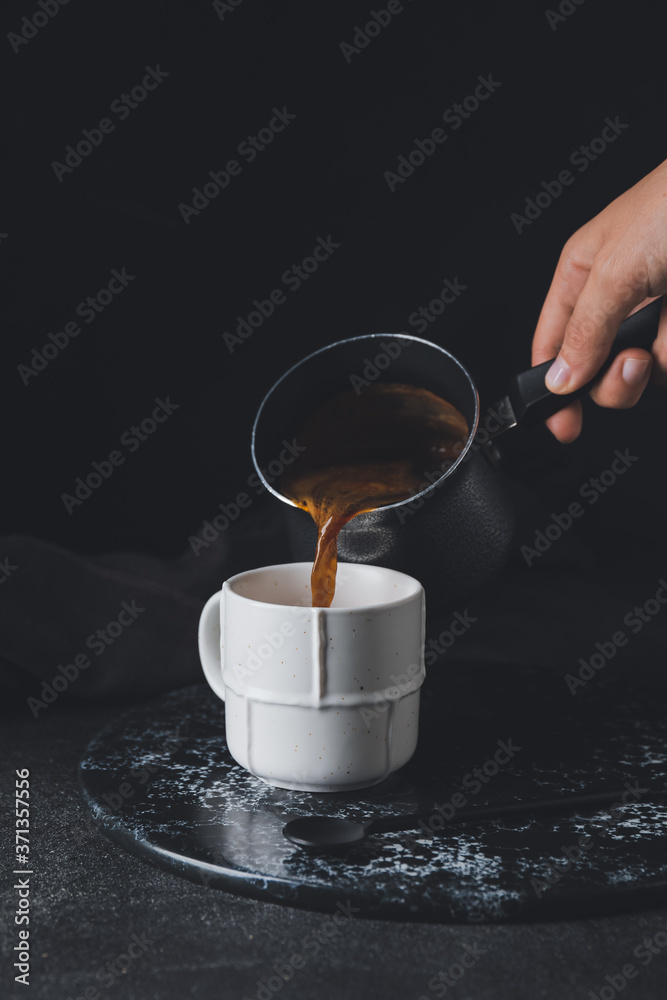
[461, 533]
[363, 451]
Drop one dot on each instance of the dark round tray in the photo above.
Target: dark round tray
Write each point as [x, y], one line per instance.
[161, 783]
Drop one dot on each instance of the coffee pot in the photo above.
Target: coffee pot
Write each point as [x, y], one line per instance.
[456, 532]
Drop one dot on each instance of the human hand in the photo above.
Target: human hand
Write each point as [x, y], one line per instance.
[608, 269]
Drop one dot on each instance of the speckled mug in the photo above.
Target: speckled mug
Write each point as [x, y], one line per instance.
[317, 699]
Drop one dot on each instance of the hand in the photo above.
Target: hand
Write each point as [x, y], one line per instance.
[608, 269]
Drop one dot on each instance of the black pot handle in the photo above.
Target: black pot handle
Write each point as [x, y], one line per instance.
[532, 402]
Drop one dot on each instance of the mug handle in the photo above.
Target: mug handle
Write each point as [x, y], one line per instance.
[210, 651]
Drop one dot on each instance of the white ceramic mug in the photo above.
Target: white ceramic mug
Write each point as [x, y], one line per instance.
[317, 699]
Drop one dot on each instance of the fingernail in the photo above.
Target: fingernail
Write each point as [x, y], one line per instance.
[634, 370]
[558, 375]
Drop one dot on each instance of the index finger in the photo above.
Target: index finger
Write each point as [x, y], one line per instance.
[567, 284]
[605, 300]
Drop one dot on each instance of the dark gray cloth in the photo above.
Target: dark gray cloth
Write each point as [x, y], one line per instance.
[56, 606]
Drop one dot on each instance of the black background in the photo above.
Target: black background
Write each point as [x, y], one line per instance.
[163, 336]
[323, 175]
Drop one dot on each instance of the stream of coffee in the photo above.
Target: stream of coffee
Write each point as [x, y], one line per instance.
[363, 451]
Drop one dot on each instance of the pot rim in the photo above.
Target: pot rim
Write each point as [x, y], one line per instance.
[472, 431]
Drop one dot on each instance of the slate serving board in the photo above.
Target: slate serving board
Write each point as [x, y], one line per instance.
[161, 783]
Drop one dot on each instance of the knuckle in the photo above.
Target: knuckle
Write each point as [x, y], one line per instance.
[625, 275]
[652, 274]
[570, 259]
[607, 267]
[578, 252]
[577, 335]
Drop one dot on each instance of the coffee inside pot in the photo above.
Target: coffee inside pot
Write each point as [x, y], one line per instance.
[363, 450]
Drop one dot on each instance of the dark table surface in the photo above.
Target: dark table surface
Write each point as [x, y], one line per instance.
[90, 898]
